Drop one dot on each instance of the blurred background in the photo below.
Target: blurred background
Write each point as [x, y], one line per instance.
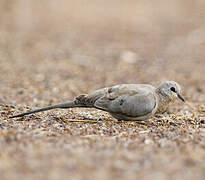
[99, 43]
[52, 51]
[106, 36]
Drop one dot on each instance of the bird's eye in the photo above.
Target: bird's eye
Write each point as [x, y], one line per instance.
[173, 89]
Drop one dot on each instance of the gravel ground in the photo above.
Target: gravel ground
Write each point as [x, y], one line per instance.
[53, 63]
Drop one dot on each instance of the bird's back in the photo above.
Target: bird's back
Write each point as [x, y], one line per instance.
[124, 101]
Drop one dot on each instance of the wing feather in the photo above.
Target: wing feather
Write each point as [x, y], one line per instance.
[129, 100]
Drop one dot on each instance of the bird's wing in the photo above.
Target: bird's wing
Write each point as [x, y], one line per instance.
[129, 100]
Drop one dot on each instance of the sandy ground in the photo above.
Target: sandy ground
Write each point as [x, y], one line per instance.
[49, 55]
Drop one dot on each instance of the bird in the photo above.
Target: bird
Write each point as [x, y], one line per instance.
[128, 102]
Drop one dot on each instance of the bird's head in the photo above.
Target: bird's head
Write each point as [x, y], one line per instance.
[170, 91]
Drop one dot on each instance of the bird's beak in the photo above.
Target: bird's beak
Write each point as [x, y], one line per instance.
[180, 97]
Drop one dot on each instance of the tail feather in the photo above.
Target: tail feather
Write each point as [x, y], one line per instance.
[70, 104]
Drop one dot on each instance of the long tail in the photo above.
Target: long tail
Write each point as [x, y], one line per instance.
[70, 104]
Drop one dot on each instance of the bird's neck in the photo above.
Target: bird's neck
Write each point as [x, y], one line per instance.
[163, 101]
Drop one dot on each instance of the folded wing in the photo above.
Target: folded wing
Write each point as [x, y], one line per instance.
[128, 99]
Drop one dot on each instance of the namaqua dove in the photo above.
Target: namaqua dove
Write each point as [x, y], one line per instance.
[130, 102]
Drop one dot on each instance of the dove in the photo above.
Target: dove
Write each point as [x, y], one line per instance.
[129, 102]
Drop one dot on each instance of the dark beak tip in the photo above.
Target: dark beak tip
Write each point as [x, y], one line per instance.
[180, 97]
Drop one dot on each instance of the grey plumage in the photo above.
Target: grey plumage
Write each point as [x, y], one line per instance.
[125, 101]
